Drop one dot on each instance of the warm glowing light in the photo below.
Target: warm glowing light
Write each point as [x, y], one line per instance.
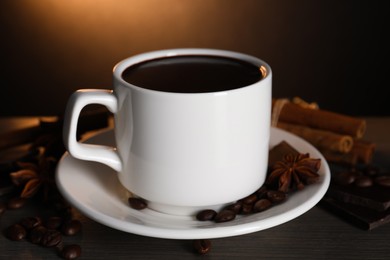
[88, 27]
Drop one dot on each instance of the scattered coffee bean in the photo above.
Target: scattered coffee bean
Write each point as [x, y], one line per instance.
[236, 207]
[71, 227]
[246, 208]
[47, 233]
[383, 180]
[362, 177]
[249, 199]
[207, 214]
[53, 222]
[16, 203]
[36, 234]
[31, 222]
[276, 196]
[262, 205]
[137, 203]
[262, 192]
[16, 232]
[344, 178]
[71, 252]
[202, 246]
[363, 181]
[371, 170]
[261, 200]
[51, 238]
[224, 216]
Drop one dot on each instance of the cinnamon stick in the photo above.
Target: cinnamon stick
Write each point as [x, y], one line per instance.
[362, 152]
[346, 159]
[322, 119]
[321, 139]
[19, 136]
[89, 120]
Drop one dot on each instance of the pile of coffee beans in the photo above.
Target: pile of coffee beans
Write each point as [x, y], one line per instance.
[362, 177]
[259, 201]
[42, 148]
[48, 233]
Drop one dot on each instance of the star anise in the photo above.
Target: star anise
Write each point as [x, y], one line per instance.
[294, 172]
[35, 176]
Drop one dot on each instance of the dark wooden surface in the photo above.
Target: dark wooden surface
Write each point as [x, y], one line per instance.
[317, 234]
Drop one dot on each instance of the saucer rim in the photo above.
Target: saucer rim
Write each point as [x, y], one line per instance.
[213, 230]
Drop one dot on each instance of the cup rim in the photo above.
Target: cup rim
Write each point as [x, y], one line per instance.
[138, 58]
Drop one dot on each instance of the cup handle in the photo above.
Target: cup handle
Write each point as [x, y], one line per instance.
[90, 152]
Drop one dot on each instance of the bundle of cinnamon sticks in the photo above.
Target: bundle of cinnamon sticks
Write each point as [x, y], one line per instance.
[338, 137]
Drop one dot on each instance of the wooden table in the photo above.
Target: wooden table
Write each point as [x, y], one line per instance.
[317, 234]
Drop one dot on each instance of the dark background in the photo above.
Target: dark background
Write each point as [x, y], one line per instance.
[330, 51]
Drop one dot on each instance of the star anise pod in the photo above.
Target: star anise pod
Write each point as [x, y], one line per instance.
[33, 176]
[294, 172]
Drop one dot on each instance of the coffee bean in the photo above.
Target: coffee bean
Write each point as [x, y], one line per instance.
[16, 232]
[276, 196]
[249, 199]
[202, 246]
[71, 227]
[224, 216]
[31, 222]
[41, 235]
[235, 207]
[53, 222]
[371, 170]
[363, 181]
[36, 234]
[383, 181]
[262, 192]
[137, 203]
[16, 203]
[207, 214]
[51, 238]
[344, 178]
[71, 252]
[246, 208]
[261, 205]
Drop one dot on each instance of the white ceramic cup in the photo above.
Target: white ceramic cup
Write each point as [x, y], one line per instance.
[181, 152]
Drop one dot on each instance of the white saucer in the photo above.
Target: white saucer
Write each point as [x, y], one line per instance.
[93, 188]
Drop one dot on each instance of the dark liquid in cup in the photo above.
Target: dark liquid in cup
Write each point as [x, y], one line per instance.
[192, 74]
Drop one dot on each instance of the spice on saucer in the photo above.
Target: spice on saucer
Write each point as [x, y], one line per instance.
[289, 171]
[294, 172]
